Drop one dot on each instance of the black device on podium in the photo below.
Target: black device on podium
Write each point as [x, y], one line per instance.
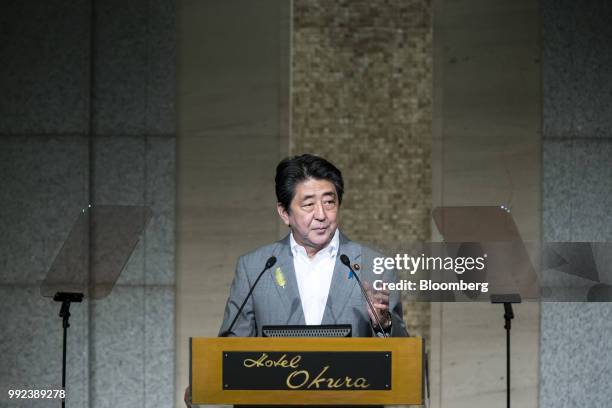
[329, 330]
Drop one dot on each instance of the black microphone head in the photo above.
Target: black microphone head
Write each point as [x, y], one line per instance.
[345, 260]
[270, 262]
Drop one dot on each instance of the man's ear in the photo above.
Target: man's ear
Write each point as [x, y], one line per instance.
[282, 212]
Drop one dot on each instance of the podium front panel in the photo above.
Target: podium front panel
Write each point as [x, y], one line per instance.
[306, 371]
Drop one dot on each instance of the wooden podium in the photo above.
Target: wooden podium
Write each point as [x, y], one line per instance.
[306, 371]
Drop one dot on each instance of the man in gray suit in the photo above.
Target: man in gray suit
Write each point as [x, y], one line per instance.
[309, 284]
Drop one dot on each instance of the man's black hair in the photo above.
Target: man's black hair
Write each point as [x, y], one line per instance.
[293, 170]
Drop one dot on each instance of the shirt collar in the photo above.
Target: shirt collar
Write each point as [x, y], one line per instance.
[330, 249]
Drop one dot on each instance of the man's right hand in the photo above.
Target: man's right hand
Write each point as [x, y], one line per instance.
[380, 301]
[187, 397]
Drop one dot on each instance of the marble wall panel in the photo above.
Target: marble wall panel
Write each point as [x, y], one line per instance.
[118, 336]
[119, 179]
[591, 219]
[135, 75]
[45, 167]
[120, 86]
[119, 170]
[44, 75]
[135, 70]
[44, 187]
[133, 329]
[160, 192]
[557, 190]
[140, 171]
[161, 56]
[575, 336]
[553, 344]
[159, 346]
[577, 69]
[589, 364]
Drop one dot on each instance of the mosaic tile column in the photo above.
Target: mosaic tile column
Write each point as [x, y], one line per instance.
[361, 94]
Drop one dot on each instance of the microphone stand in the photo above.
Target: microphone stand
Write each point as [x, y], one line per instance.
[66, 298]
[346, 261]
[507, 301]
[269, 263]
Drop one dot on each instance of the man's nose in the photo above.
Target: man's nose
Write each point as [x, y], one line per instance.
[319, 213]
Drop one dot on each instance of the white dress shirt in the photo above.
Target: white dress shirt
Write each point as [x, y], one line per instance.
[314, 276]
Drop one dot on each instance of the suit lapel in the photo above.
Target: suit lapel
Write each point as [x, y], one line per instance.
[341, 286]
[289, 294]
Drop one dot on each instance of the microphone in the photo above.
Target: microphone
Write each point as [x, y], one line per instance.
[269, 263]
[346, 261]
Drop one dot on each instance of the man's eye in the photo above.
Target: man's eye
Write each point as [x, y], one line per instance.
[331, 202]
[308, 205]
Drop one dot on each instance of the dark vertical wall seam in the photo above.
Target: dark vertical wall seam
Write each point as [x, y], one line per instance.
[90, 191]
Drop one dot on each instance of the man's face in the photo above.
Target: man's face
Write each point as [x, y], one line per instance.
[312, 214]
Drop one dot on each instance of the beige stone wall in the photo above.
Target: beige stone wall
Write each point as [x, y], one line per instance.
[362, 98]
[232, 115]
[487, 151]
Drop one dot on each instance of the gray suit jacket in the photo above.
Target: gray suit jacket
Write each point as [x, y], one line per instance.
[273, 303]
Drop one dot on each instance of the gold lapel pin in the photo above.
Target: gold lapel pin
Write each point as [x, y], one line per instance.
[356, 267]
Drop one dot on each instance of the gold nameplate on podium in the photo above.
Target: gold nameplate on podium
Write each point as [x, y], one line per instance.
[306, 371]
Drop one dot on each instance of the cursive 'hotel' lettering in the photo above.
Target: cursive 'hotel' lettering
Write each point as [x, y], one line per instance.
[265, 361]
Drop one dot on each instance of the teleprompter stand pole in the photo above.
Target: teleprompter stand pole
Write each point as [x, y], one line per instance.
[507, 301]
[66, 298]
